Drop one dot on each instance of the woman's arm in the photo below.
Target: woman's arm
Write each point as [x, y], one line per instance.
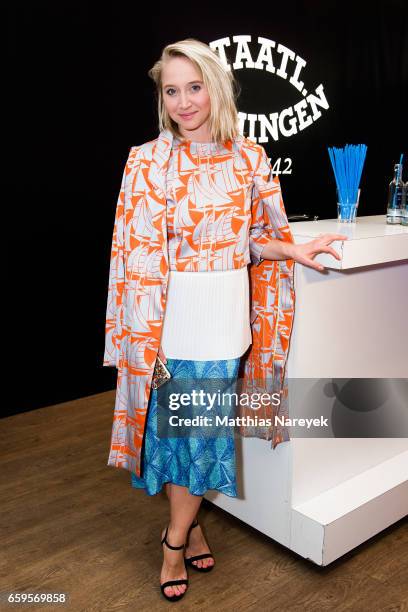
[270, 235]
[302, 253]
[269, 222]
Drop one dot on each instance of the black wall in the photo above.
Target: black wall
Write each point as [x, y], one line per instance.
[80, 97]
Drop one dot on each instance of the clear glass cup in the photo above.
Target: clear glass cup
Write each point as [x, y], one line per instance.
[347, 211]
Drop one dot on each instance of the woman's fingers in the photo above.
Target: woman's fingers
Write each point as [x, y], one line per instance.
[328, 239]
[331, 237]
[309, 250]
[334, 236]
[315, 265]
[330, 250]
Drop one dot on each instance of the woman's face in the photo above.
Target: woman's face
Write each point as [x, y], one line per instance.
[186, 98]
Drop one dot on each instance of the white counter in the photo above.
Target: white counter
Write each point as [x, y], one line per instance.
[369, 241]
[321, 497]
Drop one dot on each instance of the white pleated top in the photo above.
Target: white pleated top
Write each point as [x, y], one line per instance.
[207, 315]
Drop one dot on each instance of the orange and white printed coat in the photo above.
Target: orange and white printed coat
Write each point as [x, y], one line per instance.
[138, 277]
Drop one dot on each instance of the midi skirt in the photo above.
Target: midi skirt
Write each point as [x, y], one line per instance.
[198, 462]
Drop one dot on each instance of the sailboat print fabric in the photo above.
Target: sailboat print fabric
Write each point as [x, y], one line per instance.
[211, 224]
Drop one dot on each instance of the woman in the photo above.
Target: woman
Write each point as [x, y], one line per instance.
[212, 223]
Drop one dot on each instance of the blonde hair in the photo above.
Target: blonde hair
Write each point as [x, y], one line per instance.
[220, 83]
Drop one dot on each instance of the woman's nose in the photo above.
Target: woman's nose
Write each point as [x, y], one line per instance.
[184, 101]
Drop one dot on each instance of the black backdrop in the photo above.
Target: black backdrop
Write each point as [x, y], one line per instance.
[80, 97]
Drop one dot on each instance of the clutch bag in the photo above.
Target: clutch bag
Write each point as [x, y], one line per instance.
[160, 374]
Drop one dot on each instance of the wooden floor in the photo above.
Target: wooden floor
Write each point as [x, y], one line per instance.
[71, 524]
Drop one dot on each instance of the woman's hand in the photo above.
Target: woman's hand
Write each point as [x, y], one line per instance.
[161, 355]
[305, 253]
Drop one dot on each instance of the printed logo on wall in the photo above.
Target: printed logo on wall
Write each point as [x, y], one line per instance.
[284, 63]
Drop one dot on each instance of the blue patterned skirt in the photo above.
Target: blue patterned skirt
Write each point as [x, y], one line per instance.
[200, 462]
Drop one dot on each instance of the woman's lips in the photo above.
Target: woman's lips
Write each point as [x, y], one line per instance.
[188, 116]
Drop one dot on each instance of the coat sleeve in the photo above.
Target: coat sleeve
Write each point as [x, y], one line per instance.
[114, 307]
[268, 215]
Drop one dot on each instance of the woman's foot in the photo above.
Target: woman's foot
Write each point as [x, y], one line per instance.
[197, 545]
[173, 567]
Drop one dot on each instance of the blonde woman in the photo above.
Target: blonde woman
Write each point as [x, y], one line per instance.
[217, 187]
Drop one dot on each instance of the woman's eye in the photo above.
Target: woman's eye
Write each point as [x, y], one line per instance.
[171, 89]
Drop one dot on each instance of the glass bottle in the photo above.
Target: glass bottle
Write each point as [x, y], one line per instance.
[394, 204]
[404, 217]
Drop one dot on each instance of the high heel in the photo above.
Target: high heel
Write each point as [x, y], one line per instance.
[190, 560]
[173, 582]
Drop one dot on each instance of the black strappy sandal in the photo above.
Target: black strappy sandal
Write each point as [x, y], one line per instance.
[190, 560]
[173, 582]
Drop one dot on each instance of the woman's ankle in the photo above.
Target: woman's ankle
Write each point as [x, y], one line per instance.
[176, 534]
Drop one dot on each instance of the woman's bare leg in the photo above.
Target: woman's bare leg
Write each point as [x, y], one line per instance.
[197, 543]
[183, 508]
[168, 486]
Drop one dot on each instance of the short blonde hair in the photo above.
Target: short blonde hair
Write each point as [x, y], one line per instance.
[220, 83]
